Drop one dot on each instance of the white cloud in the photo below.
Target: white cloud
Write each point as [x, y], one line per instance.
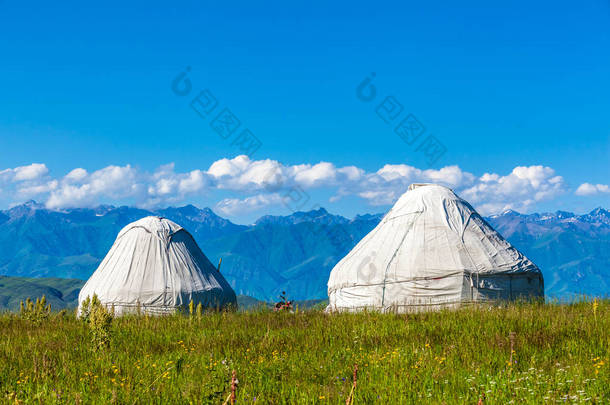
[519, 190]
[385, 197]
[163, 186]
[234, 206]
[320, 174]
[351, 173]
[5, 175]
[76, 175]
[32, 190]
[30, 172]
[267, 179]
[192, 182]
[24, 173]
[380, 188]
[243, 174]
[387, 184]
[592, 189]
[114, 182]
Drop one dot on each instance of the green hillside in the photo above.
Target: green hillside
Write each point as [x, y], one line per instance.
[60, 293]
[63, 293]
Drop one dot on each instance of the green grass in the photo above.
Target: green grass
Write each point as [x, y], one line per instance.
[452, 357]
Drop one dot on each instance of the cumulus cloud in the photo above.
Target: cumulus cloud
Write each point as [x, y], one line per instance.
[28, 181]
[24, 173]
[243, 174]
[76, 175]
[164, 186]
[587, 189]
[31, 172]
[323, 173]
[33, 189]
[192, 182]
[387, 184]
[261, 183]
[114, 182]
[234, 206]
[519, 190]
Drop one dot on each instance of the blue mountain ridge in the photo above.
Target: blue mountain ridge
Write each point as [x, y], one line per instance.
[293, 253]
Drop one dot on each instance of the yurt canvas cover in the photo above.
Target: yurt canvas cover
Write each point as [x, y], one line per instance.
[156, 266]
[431, 249]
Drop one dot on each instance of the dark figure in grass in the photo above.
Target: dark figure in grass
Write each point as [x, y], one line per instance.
[283, 304]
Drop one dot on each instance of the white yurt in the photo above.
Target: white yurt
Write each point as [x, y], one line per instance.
[155, 266]
[432, 249]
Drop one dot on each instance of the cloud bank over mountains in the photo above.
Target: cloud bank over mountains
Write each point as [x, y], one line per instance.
[256, 184]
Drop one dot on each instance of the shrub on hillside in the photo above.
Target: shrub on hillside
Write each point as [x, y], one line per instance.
[99, 319]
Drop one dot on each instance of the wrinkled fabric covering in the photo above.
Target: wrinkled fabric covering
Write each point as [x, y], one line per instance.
[431, 249]
[155, 266]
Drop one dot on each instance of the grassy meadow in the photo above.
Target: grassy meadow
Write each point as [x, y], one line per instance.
[560, 353]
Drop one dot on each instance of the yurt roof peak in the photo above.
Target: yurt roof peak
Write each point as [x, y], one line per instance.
[162, 227]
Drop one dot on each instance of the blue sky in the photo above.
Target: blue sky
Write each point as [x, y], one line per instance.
[501, 87]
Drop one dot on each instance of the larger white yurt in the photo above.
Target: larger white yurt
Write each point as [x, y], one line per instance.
[430, 250]
[155, 266]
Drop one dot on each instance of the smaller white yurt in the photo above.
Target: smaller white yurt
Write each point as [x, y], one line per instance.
[155, 266]
[432, 249]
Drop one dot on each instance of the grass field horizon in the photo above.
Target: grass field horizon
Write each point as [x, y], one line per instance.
[515, 353]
